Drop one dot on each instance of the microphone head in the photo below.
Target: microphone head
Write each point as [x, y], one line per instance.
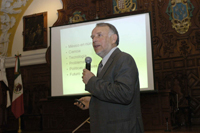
[88, 60]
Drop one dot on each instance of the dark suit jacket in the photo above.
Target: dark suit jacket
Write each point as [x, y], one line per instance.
[115, 101]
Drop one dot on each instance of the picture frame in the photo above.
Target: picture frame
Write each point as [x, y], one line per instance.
[35, 31]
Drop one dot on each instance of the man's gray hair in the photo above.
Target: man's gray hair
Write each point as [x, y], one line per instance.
[112, 30]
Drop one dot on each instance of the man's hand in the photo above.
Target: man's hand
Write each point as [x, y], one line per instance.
[85, 101]
[87, 75]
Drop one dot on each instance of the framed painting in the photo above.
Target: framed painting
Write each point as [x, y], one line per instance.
[35, 31]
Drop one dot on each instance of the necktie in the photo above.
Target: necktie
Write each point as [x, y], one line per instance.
[99, 68]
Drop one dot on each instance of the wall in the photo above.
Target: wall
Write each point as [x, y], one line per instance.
[34, 56]
[37, 6]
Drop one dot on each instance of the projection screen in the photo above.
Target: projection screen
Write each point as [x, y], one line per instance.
[71, 43]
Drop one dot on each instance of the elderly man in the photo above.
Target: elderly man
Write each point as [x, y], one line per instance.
[114, 104]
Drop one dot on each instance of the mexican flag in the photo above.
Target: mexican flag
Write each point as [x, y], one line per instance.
[17, 106]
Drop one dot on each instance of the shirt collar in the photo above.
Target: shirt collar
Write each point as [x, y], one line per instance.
[105, 59]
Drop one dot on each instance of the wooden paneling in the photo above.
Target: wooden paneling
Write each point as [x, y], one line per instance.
[2, 105]
[60, 114]
[36, 85]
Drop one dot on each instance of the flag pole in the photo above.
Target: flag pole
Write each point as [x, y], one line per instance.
[19, 130]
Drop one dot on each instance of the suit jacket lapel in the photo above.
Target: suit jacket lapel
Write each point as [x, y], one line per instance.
[108, 63]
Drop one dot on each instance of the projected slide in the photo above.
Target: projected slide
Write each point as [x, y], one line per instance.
[74, 44]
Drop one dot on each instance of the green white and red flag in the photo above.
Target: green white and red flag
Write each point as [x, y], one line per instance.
[17, 106]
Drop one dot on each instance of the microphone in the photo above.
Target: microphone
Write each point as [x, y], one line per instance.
[88, 61]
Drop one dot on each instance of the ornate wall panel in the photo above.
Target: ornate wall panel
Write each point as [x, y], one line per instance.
[71, 6]
[176, 56]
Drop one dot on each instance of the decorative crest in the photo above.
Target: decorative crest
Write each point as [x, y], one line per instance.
[77, 17]
[121, 6]
[180, 13]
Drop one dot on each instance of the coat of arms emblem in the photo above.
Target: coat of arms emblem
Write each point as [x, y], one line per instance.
[121, 6]
[180, 13]
[17, 88]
